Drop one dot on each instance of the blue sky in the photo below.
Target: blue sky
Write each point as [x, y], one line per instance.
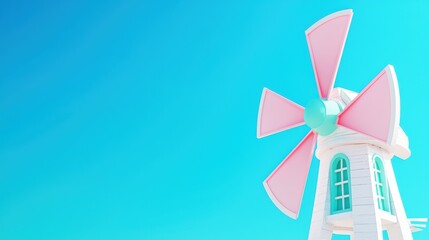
[137, 120]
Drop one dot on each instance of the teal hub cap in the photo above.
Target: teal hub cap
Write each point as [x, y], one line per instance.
[321, 116]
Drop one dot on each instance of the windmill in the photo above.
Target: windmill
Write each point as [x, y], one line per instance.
[357, 136]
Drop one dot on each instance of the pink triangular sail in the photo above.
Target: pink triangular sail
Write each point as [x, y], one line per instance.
[286, 184]
[375, 111]
[326, 39]
[277, 113]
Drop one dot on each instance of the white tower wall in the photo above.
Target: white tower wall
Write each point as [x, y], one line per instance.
[365, 220]
[319, 228]
[400, 230]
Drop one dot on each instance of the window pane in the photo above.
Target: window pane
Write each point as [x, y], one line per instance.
[346, 188]
[380, 191]
[339, 191]
[383, 204]
[377, 163]
[339, 164]
[344, 162]
[347, 203]
[339, 203]
[338, 177]
[379, 177]
[345, 175]
[386, 205]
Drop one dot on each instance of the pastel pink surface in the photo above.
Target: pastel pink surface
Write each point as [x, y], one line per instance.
[375, 111]
[326, 40]
[286, 184]
[277, 113]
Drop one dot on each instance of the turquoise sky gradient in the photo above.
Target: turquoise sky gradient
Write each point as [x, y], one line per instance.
[137, 120]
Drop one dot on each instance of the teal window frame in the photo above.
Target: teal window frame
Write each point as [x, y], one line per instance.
[341, 194]
[381, 184]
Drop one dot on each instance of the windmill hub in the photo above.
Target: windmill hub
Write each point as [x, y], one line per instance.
[321, 116]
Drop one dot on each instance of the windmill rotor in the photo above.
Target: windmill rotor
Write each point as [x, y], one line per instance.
[378, 102]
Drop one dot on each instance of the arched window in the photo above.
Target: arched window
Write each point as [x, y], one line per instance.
[340, 184]
[381, 187]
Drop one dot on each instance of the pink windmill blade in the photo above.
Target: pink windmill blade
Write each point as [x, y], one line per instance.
[326, 40]
[277, 114]
[375, 111]
[286, 184]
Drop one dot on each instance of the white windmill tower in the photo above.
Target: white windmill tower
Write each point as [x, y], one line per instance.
[357, 135]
